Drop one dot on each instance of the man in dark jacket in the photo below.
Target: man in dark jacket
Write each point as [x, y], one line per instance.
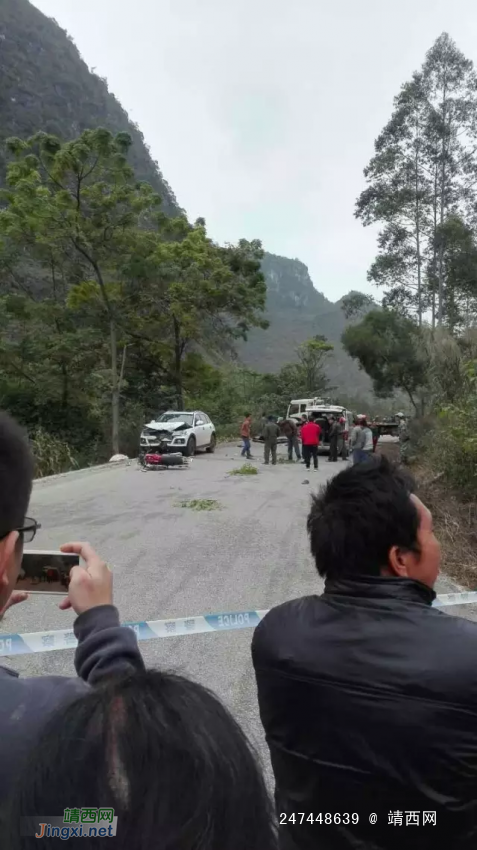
[368, 695]
[104, 647]
[333, 435]
[271, 433]
[290, 431]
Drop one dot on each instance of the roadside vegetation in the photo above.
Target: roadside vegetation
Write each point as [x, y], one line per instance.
[112, 311]
[200, 504]
[246, 469]
[421, 338]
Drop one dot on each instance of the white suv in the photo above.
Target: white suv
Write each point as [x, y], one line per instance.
[179, 431]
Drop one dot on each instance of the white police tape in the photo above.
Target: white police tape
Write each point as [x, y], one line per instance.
[27, 644]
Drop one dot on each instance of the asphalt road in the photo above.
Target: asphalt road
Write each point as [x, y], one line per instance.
[170, 561]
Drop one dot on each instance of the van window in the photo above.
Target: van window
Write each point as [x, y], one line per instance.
[293, 409]
[303, 407]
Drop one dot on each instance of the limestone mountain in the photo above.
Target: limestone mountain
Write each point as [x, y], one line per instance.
[297, 311]
[46, 85]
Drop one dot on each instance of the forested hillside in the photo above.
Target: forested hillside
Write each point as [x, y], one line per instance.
[296, 312]
[46, 85]
[112, 304]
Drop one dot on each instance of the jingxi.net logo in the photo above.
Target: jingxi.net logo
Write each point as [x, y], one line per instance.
[75, 823]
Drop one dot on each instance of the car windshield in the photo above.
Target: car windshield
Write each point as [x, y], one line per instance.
[177, 417]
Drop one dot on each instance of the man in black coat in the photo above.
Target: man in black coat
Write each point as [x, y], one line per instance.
[368, 695]
[333, 435]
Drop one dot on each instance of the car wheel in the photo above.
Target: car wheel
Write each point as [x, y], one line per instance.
[190, 448]
[213, 442]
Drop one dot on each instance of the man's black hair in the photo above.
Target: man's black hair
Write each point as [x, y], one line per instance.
[160, 750]
[16, 474]
[247, 415]
[359, 516]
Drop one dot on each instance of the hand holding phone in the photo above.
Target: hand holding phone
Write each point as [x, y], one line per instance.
[91, 585]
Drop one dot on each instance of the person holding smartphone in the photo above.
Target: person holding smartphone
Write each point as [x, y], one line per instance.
[105, 648]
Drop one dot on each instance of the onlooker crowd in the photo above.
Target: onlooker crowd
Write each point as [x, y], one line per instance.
[366, 693]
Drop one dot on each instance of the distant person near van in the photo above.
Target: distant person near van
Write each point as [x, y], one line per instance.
[367, 449]
[263, 422]
[342, 452]
[333, 435]
[271, 433]
[245, 434]
[375, 430]
[357, 441]
[310, 440]
[290, 431]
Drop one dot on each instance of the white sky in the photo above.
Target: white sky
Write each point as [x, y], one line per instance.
[262, 113]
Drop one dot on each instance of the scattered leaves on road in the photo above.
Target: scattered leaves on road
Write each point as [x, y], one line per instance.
[246, 469]
[199, 504]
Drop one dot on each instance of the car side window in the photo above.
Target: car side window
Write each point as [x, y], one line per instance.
[204, 418]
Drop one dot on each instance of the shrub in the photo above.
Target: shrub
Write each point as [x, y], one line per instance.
[246, 469]
[52, 455]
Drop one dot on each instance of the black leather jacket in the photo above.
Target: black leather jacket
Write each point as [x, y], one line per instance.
[368, 697]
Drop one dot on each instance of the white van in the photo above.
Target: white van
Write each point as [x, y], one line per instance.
[297, 407]
[322, 413]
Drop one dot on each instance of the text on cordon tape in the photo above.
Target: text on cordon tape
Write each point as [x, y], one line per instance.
[27, 644]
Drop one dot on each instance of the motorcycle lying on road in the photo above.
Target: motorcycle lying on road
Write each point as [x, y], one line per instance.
[154, 459]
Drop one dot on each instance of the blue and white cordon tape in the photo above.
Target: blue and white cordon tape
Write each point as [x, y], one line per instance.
[64, 639]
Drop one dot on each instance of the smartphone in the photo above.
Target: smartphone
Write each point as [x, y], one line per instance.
[46, 572]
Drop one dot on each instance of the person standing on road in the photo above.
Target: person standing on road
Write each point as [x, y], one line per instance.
[403, 433]
[271, 433]
[263, 422]
[333, 435]
[367, 693]
[341, 438]
[290, 431]
[310, 440]
[357, 441]
[375, 430]
[245, 434]
[367, 449]
[104, 648]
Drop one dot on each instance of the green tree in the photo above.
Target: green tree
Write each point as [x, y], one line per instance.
[78, 202]
[390, 348]
[194, 294]
[423, 172]
[398, 195]
[451, 97]
[357, 304]
[457, 248]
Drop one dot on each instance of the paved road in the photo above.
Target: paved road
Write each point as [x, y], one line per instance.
[171, 561]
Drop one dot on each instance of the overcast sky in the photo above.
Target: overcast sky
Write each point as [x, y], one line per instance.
[262, 113]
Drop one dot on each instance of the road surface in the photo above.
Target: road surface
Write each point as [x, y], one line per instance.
[170, 561]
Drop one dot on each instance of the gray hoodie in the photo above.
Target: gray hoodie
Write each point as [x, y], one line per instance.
[358, 438]
[104, 648]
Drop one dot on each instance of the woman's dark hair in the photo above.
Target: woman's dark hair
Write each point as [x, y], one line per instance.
[160, 750]
[359, 516]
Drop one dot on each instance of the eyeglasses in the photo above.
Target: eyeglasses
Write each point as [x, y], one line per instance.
[28, 531]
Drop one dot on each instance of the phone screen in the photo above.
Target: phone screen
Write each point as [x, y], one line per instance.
[46, 572]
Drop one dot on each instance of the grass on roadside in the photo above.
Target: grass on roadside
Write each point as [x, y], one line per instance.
[246, 469]
[199, 504]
